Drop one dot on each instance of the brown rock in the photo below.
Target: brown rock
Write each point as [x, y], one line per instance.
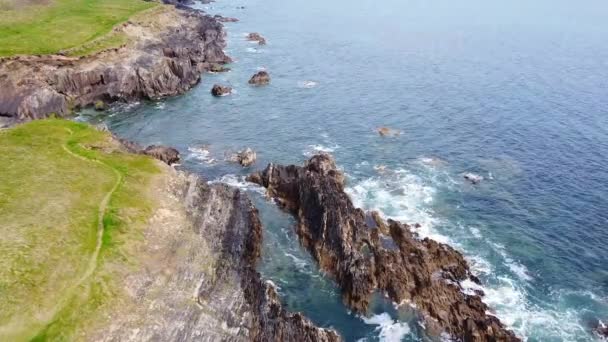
[219, 90]
[256, 37]
[246, 157]
[260, 78]
[364, 254]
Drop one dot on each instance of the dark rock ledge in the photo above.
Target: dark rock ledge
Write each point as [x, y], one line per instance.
[365, 254]
[166, 57]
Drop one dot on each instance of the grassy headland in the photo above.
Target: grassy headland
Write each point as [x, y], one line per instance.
[72, 207]
[49, 26]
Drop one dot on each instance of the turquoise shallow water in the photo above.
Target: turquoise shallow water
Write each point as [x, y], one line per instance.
[516, 92]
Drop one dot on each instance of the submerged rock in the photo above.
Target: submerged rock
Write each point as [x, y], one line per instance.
[99, 106]
[256, 37]
[247, 157]
[260, 78]
[387, 132]
[366, 254]
[601, 329]
[220, 90]
[473, 178]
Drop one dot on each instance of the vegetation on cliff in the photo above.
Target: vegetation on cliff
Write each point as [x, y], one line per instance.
[72, 205]
[50, 26]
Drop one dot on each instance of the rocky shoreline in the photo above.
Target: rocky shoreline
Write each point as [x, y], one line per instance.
[366, 254]
[201, 283]
[167, 51]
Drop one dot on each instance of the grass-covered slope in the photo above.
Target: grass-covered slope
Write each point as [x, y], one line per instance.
[49, 26]
[71, 205]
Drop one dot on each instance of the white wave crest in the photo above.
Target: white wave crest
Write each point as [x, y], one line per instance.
[314, 149]
[201, 154]
[388, 329]
[239, 182]
[307, 84]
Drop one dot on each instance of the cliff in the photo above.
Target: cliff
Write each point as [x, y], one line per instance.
[167, 50]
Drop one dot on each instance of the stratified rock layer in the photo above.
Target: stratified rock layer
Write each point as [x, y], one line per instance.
[198, 281]
[365, 254]
[168, 51]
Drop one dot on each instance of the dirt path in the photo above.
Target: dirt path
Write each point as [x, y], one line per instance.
[103, 206]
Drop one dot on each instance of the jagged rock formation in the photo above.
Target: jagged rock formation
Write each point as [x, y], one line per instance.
[169, 50]
[260, 78]
[198, 280]
[365, 254]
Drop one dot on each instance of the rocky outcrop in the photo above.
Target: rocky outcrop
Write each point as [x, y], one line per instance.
[220, 90]
[169, 50]
[199, 280]
[473, 178]
[246, 157]
[223, 19]
[256, 37]
[167, 155]
[260, 78]
[366, 254]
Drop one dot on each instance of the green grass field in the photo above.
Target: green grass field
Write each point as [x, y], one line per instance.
[49, 26]
[71, 206]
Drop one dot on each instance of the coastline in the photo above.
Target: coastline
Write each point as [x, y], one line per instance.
[167, 51]
[81, 82]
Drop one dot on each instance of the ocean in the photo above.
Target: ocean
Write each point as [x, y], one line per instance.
[515, 92]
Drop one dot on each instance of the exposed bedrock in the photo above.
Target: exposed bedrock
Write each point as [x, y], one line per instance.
[366, 254]
[165, 57]
[199, 281]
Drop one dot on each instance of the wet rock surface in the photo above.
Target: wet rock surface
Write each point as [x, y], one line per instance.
[220, 90]
[198, 281]
[351, 246]
[256, 37]
[246, 157]
[166, 57]
[260, 78]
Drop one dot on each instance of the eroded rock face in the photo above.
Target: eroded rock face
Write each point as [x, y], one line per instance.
[166, 58]
[366, 254]
[198, 281]
[220, 90]
[260, 78]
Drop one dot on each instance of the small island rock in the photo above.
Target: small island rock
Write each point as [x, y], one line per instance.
[246, 157]
[256, 37]
[220, 90]
[260, 78]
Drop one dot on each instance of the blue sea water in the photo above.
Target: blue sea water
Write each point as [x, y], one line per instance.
[514, 91]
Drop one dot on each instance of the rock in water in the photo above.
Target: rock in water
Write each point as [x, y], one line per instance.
[256, 37]
[473, 178]
[366, 254]
[260, 78]
[246, 157]
[386, 132]
[219, 90]
[99, 106]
